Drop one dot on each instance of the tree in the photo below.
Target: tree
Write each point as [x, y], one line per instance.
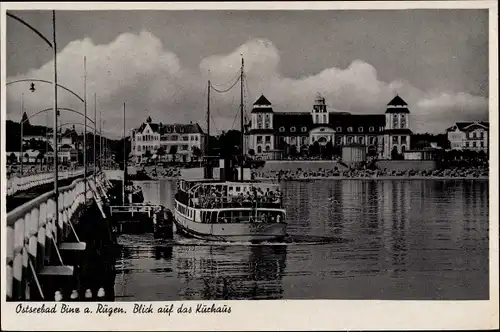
[314, 149]
[173, 151]
[394, 154]
[12, 158]
[196, 151]
[25, 121]
[147, 154]
[251, 152]
[328, 150]
[160, 152]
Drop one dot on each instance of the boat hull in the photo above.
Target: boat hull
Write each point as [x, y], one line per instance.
[234, 232]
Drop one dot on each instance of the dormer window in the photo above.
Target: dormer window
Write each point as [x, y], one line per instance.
[339, 129]
[282, 129]
[360, 129]
[304, 129]
[349, 129]
[168, 130]
[372, 129]
[292, 129]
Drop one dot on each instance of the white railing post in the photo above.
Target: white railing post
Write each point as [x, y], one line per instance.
[10, 261]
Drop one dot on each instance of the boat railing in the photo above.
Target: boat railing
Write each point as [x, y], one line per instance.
[249, 219]
[235, 202]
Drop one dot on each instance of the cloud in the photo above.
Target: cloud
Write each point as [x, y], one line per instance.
[136, 69]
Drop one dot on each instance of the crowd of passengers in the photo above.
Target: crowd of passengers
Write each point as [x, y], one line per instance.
[217, 198]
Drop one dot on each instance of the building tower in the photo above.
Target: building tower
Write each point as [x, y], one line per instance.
[397, 128]
[261, 131]
[319, 112]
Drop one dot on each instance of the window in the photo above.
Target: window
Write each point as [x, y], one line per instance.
[349, 129]
[403, 139]
[317, 118]
[175, 137]
[395, 121]
[181, 130]
[371, 139]
[381, 128]
[259, 121]
[394, 140]
[268, 139]
[482, 144]
[268, 148]
[360, 129]
[466, 144]
[282, 129]
[481, 134]
[259, 139]
[339, 129]
[338, 140]
[259, 149]
[185, 147]
[371, 129]
[304, 129]
[292, 129]
[138, 149]
[349, 139]
[474, 135]
[403, 121]
[303, 140]
[473, 144]
[268, 121]
[360, 139]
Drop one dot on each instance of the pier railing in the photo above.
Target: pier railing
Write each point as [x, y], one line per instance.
[33, 234]
[20, 183]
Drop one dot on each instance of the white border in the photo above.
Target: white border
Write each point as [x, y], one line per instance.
[286, 314]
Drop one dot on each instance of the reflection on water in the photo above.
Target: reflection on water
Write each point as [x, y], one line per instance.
[351, 239]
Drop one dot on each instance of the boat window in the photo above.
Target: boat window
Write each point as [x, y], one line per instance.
[213, 219]
[237, 189]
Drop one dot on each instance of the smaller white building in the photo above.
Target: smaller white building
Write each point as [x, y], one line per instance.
[469, 136]
[167, 142]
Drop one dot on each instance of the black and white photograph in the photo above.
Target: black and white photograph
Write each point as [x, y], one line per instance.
[154, 155]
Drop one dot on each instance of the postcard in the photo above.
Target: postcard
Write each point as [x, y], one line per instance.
[249, 166]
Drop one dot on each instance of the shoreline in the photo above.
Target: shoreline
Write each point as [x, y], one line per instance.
[394, 177]
[315, 178]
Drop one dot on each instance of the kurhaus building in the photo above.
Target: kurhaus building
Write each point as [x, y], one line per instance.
[381, 134]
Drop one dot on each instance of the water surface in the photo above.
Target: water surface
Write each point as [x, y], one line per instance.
[349, 239]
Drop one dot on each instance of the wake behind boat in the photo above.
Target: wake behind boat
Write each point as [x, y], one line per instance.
[224, 203]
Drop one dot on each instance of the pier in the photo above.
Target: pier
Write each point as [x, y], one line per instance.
[49, 260]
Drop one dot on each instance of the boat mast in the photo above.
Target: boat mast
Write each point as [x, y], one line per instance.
[208, 121]
[242, 149]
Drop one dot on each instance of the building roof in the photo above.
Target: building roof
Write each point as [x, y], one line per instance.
[262, 101]
[176, 128]
[469, 125]
[397, 101]
[262, 110]
[400, 131]
[397, 105]
[289, 120]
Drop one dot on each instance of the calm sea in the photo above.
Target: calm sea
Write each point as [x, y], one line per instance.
[349, 239]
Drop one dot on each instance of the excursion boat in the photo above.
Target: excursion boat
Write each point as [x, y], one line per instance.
[224, 204]
[234, 211]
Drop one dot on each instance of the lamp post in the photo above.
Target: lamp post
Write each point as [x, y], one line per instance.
[85, 132]
[21, 149]
[56, 174]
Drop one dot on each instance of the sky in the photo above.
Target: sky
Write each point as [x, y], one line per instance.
[158, 64]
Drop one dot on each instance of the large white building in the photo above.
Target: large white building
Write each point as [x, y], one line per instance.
[469, 136]
[269, 131]
[178, 141]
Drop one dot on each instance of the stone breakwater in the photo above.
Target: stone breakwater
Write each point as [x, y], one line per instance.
[335, 173]
[298, 175]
